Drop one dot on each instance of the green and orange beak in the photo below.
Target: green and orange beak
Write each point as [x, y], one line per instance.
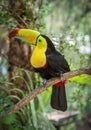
[26, 35]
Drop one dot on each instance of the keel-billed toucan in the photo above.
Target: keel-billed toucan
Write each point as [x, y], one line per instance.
[47, 61]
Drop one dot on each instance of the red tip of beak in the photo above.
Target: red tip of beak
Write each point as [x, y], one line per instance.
[13, 33]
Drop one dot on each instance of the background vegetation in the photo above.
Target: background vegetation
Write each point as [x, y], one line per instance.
[68, 24]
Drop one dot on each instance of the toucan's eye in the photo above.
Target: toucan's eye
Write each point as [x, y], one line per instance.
[39, 40]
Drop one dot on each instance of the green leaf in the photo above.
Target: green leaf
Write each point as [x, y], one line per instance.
[9, 119]
[83, 79]
[34, 117]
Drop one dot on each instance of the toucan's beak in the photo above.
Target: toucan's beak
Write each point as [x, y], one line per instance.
[26, 35]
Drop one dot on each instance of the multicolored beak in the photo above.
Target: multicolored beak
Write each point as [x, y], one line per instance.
[26, 35]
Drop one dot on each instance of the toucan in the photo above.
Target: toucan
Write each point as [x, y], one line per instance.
[47, 61]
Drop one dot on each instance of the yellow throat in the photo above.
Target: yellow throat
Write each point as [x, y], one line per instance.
[38, 58]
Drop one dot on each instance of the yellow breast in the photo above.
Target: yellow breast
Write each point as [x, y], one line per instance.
[38, 58]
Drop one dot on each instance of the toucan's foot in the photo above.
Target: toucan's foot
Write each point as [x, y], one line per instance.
[61, 75]
[44, 81]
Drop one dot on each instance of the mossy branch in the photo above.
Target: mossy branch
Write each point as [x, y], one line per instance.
[35, 92]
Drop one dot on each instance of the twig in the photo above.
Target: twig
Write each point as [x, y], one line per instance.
[4, 55]
[33, 94]
[25, 24]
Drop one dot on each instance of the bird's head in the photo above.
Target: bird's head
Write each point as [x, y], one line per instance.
[29, 36]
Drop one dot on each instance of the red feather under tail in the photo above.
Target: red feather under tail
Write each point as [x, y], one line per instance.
[61, 83]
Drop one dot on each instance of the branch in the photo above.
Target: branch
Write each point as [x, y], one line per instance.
[33, 94]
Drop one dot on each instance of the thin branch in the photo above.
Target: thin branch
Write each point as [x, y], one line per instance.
[4, 55]
[33, 94]
[25, 24]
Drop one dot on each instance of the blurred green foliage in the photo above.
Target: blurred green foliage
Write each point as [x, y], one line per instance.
[70, 23]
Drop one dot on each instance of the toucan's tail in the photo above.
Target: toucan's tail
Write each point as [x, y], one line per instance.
[58, 98]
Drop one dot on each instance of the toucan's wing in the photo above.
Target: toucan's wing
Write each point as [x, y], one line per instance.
[58, 62]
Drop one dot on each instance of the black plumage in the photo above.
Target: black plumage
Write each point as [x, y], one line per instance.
[56, 64]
